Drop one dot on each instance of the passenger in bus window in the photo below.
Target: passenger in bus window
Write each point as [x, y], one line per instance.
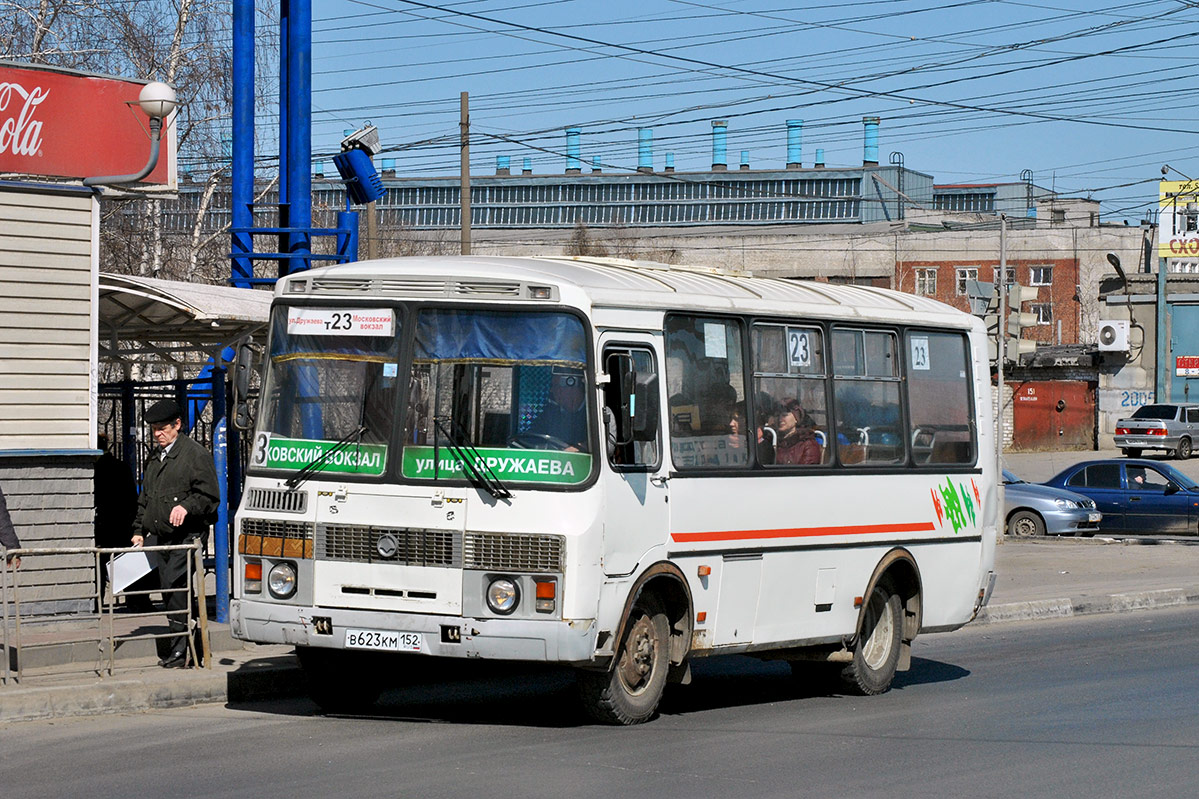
[564, 417]
[766, 410]
[736, 437]
[797, 439]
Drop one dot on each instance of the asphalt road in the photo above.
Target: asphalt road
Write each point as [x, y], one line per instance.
[1080, 708]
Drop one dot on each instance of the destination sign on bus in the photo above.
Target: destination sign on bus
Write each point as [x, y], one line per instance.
[272, 452]
[341, 321]
[509, 465]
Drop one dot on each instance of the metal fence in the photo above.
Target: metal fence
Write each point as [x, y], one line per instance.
[101, 627]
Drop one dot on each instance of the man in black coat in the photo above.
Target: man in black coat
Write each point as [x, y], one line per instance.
[177, 504]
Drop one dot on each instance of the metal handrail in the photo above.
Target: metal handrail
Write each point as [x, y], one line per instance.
[105, 636]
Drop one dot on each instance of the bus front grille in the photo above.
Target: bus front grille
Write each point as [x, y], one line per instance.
[277, 499]
[369, 544]
[520, 553]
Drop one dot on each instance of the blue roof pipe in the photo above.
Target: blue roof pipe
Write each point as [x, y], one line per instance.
[870, 141]
[574, 152]
[669, 162]
[645, 149]
[503, 165]
[819, 159]
[720, 158]
[794, 143]
[299, 132]
[526, 166]
[745, 159]
[243, 142]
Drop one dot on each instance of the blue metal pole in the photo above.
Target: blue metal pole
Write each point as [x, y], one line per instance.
[347, 243]
[1163, 342]
[220, 458]
[284, 187]
[299, 130]
[243, 140]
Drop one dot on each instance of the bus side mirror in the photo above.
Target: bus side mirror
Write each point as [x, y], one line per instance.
[243, 365]
[620, 370]
[645, 407]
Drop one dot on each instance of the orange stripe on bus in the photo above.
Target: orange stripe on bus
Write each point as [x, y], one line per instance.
[804, 532]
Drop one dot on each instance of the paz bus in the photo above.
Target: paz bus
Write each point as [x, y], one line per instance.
[616, 466]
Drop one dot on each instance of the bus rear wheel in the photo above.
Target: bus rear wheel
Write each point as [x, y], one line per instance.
[339, 682]
[880, 639]
[630, 692]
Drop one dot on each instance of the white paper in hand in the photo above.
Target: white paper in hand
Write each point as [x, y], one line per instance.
[126, 569]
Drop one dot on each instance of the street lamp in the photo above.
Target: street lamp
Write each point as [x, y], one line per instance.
[157, 100]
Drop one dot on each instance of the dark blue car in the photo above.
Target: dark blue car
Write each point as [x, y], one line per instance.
[1136, 496]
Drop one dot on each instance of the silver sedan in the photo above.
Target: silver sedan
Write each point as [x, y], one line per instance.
[1032, 509]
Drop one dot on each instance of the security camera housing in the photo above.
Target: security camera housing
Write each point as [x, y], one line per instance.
[365, 139]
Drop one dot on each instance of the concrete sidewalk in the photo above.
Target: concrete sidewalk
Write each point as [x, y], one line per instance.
[1038, 579]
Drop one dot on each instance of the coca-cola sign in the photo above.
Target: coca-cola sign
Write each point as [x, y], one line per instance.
[63, 124]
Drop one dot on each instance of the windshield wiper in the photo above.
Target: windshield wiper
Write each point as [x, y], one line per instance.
[313, 466]
[484, 477]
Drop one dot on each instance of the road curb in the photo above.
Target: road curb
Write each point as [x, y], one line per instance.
[1066, 607]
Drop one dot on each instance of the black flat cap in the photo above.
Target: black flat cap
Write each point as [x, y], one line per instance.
[166, 410]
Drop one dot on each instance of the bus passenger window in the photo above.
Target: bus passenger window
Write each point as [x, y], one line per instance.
[706, 393]
[938, 372]
[866, 396]
[790, 403]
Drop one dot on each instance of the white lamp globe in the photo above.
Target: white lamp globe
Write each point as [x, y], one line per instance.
[157, 99]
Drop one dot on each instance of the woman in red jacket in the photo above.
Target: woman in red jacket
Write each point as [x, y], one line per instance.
[797, 440]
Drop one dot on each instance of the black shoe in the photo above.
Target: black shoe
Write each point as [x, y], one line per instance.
[175, 660]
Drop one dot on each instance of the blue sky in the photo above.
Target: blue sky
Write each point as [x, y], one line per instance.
[1093, 97]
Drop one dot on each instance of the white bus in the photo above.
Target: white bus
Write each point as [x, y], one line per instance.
[617, 466]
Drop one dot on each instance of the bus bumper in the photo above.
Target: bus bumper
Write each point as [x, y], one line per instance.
[548, 641]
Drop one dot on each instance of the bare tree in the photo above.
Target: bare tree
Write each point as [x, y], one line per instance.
[181, 42]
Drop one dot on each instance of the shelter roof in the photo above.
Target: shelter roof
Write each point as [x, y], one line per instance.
[141, 315]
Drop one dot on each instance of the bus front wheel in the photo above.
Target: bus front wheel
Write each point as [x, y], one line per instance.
[880, 640]
[630, 692]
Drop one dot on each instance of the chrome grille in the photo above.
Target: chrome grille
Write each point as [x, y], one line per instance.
[359, 543]
[503, 552]
[277, 499]
[276, 528]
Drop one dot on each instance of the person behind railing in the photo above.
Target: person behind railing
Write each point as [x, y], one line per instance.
[177, 503]
[115, 509]
[8, 535]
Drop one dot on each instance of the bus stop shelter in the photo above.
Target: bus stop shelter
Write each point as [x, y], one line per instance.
[188, 327]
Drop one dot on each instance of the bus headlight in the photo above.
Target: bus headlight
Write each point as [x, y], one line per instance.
[503, 595]
[282, 580]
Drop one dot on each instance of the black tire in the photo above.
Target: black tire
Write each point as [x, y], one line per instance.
[1132, 452]
[1025, 524]
[631, 691]
[880, 640]
[1184, 449]
[340, 682]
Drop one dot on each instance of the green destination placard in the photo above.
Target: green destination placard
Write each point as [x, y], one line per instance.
[509, 465]
[296, 453]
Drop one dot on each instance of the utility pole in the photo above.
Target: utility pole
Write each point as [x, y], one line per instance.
[372, 230]
[464, 133]
[1001, 333]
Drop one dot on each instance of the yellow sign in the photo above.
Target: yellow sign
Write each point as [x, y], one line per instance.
[1178, 219]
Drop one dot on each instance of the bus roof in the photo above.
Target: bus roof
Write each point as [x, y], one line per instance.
[614, 283]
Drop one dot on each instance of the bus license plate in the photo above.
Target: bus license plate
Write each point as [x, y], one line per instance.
[386, 641]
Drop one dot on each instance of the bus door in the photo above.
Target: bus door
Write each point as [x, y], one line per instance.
[636, 513]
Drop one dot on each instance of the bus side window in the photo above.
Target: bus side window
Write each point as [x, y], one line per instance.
[630, 418]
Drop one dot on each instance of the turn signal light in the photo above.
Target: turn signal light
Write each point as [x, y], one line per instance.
[253, 578]
[704, 571]
[546, 592]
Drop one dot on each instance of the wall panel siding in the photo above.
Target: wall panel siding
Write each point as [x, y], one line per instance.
[47, 319]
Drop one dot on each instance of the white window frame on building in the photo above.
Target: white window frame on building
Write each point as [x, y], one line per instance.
[1044, 312]
[1040, 275]
[926, 281]
[965, 273]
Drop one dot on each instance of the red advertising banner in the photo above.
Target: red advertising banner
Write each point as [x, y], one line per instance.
[1186, 366]
[63, 124]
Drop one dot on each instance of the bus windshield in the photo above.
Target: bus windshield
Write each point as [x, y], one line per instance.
[332, 373]
[509, 389]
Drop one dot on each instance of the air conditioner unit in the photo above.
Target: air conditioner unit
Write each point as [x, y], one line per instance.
[1113, 335]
